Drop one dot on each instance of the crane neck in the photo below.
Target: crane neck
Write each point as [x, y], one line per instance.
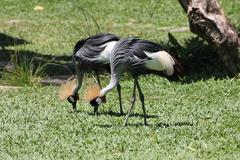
[80, 75]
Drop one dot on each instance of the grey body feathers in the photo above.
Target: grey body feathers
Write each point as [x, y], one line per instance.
[87, 49]
[129, 54]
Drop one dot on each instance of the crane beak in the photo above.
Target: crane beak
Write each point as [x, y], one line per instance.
[73, 101]
[95, 104]
[95, 110]
[74, 106]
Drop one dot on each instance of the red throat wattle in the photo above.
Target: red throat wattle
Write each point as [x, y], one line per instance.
[178, 68]
[103, 99]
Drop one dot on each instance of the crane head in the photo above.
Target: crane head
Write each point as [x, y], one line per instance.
[178, 73]
[92, 95]
[66, 92]
[73, 100]
[96, 102]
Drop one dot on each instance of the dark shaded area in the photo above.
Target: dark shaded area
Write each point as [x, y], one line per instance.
[238, 30]
[200, 60]
[118, 114]
[156, 125]
[55, 65]
[109, 113]
[6, 40]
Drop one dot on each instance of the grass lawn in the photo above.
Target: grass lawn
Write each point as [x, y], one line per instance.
[196, 119]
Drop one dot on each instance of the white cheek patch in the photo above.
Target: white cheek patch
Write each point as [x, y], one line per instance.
[71, 99]
[99, 100]
[161, 61]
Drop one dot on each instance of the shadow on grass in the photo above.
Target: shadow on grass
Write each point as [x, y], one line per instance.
[56, 65]
[162, 125]
[118, 114]
[6, 40]
[156, 125]
[200, 60]
[108, 113]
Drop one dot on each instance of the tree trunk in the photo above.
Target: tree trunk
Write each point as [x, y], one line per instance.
[207, 20]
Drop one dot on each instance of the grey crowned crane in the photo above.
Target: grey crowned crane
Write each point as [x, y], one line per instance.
[91, 54]
[139, 57]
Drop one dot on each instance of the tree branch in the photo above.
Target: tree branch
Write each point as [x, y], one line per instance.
[184, 4]
[207, 20]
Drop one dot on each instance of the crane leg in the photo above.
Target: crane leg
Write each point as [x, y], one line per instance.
[133, 102]
[120, 98]
[142, 101]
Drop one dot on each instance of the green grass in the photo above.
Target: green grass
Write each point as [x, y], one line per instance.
[56, 29]
[187, 121]
[26, 72]
[197, 120]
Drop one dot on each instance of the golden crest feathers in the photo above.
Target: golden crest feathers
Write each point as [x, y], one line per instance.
[66, 90]
[92, 92]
